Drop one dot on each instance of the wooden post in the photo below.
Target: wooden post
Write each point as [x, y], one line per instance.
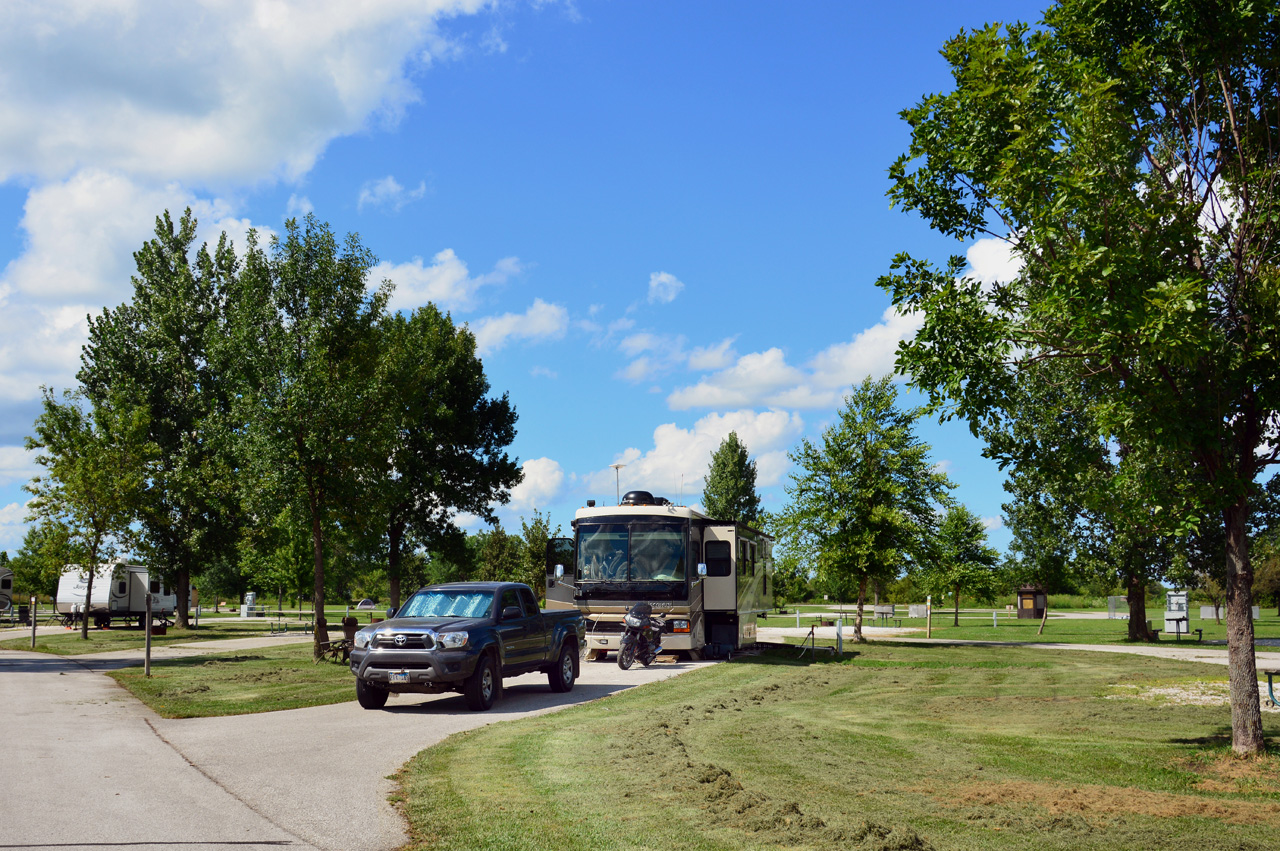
[33, 621]
[1043, 617]
[928, 616]
[146, 664]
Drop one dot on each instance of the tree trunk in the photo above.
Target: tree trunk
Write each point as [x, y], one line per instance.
[181, 618]
[321, 637]
[395, 534]
[1136, 594]
[84, 611]
[857, 618]
[1242, 666]
[957, 618]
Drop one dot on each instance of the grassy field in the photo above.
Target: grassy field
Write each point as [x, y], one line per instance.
[70, 643]
[239, 683]
[897, 747]
[1057, 629]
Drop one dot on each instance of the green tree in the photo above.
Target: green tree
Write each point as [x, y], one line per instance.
[863, 502]
[1127, 150]
[157, 353]
[441, 439]
[730, 483]
[304, 333]
[535, 533]
[499, 557]
[46, 548]
[91, 484]
[962, 561]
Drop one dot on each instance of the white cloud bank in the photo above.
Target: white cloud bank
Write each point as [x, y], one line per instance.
[446, 281]
[542, 321]
[765, 379]
[542, 484]
[679, 452]
[387, 193]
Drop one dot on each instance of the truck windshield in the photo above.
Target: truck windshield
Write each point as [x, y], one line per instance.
[447, 604]
[640, 552]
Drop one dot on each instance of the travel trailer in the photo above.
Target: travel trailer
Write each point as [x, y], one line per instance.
[119, 592]
[712, 578]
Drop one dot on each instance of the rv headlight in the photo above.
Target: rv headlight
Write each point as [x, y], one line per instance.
[452, 640]
[632, 620]
[362, 639]
[680, 626]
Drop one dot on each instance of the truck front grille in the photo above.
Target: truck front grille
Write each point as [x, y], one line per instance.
[412, 641]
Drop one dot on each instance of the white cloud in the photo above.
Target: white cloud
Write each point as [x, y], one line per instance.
[542, 483]
[12, 526]
[992, 261]
[663, 288]
[218, 91]
[543, 372]
[299, 205]
[678, 452]
[718, 356]
[387, 192]
[992, 523]
[542, 321]
[766, 379]
[446, 281]
[16, 465]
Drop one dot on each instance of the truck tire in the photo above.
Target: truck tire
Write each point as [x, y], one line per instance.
[482, 686]
[369, 695]
[565, 673]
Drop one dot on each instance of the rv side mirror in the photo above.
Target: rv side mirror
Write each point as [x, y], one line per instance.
[702, 568]
[559, 571]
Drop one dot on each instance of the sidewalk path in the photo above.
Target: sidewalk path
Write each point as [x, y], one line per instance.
[312, 778]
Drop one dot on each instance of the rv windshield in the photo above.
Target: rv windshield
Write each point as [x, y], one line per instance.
[640, 552]
[447, 604]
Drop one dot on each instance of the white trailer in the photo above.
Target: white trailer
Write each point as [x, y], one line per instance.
[119, 591]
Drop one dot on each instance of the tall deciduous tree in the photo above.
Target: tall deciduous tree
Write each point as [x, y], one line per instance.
[440, 438]
[1128, 152]
[730, 483]
[304, 327]
[158, 353]
[863, 503]
[46, 548]
[91, 483]
[962, 561]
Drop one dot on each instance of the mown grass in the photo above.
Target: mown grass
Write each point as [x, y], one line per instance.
[70, 643]
[945, 747]
[1057, 629]
[241, 683]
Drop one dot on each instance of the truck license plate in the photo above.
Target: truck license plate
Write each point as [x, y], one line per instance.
[399, 676]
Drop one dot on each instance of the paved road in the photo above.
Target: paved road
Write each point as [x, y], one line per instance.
[98, 769]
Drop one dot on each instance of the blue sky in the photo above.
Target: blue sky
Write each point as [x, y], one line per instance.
[663, 221]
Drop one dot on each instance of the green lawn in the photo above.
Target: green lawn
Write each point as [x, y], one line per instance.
[902, 747]
[1057, 629]
[239, 683]
[70, 643]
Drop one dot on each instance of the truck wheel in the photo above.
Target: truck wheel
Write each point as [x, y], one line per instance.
[481, 686]
[626, 655]
[369, 695]
[563, 675]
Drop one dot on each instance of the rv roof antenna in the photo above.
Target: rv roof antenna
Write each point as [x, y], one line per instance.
[617, 472]
[682, 488]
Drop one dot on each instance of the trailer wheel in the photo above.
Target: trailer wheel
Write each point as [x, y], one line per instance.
[369, 695]
[101, 621]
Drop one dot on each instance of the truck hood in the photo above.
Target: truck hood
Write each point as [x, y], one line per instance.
[433, 624]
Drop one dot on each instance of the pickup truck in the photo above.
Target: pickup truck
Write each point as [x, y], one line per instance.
[466, 637]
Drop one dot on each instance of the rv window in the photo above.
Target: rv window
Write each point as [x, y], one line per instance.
[155, 586]
[719, 558]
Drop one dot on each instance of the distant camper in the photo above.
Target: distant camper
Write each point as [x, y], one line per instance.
[119, 592]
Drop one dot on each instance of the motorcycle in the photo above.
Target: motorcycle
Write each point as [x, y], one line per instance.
[642, 636]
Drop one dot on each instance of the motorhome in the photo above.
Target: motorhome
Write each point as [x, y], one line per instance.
[712, 578]
[119, 592]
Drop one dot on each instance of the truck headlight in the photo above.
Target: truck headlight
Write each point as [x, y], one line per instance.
[362, 639]
[452, 640]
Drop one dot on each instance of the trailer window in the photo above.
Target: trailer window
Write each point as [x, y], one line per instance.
[122, 587]
[155, 586]
[719, 558]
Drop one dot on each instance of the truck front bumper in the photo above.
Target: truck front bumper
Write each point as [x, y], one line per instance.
[414, 670]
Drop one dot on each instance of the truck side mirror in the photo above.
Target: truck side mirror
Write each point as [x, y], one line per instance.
[512, 613]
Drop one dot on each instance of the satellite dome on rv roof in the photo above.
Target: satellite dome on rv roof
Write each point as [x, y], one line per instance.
[642, 498]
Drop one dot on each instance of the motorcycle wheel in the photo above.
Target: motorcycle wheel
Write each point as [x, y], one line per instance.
[626, 655]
